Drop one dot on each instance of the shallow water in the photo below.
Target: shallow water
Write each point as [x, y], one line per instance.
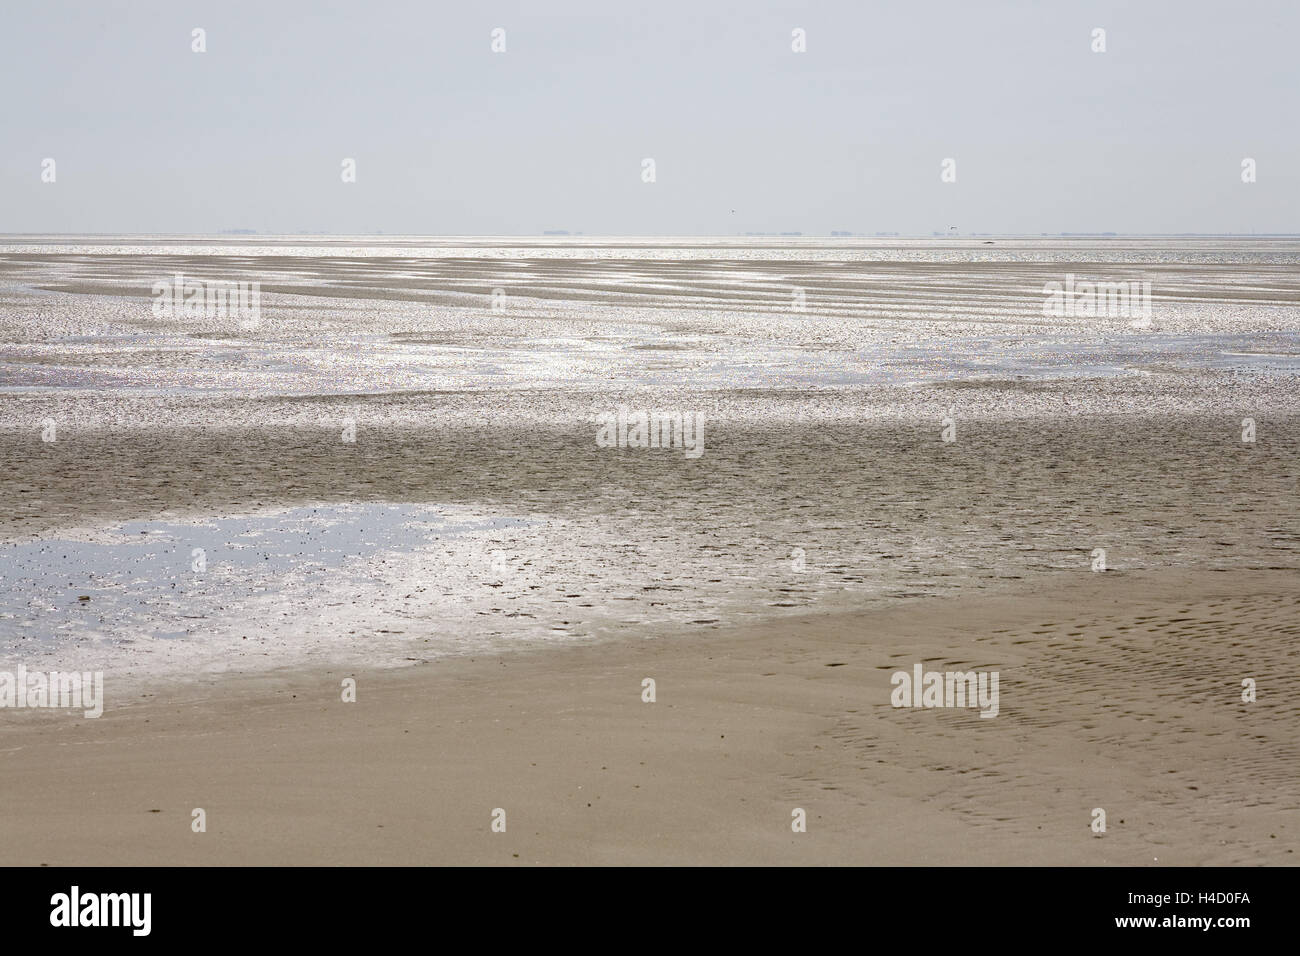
[91, 593]
[383, 317]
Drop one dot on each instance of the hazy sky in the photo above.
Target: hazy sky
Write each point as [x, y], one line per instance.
[451, 138]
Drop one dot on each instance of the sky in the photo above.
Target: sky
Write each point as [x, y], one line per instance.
[746, 134]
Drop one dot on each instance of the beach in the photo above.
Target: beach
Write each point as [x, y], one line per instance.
[391, 480]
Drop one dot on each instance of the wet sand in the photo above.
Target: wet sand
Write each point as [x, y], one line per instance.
[631, 544]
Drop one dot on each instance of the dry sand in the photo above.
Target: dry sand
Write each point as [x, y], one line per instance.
[1119, 691]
